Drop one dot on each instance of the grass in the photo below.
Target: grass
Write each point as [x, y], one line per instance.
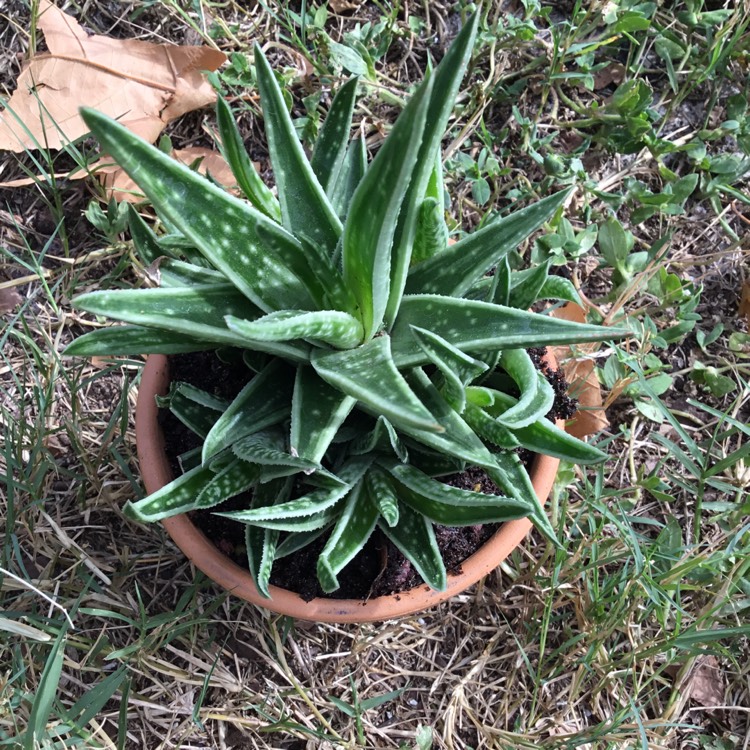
[108, 639]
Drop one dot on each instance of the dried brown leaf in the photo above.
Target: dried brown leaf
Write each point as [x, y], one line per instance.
[9, 299]
[744, 309]
[144, 85]
[341, 6]
[119, 185]
[580, 373]
[704, 683]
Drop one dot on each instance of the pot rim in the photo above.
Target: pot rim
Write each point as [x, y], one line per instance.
[156, 472]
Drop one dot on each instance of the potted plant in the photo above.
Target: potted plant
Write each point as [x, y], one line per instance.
[378, 358]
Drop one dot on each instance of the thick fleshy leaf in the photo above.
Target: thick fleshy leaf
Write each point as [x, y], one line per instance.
[489, 429]
[458, 439]
[415, 537]
[144, 239]
[192, 412]
[123, 340]
[312, 504]
[527, 285]
[382, 494]
[339, 329]
[374, 212]
[263, 402]
[382, 438]
[333, 139]
[445, 80]
[537, 395]
[262, 550]
[240, 241]
[452, 506]
[454, 271]
[234, 478]
[368, 374]
[458, 369]
[558, 287]
[196, 311]
[350, 175]
[431, 235]
[352, 530]
[543, 436]
[318, 410]
[296, 541]
[474, 326]
[179, 496]
[305, 209]
[512, 477]
[266, 447]
[175, 273]
[247, 177]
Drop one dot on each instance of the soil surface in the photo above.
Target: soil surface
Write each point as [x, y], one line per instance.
[380, 568]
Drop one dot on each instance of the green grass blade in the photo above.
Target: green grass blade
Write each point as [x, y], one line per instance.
[368, 374]
[240, 241]
[339, 329]
[352, 530]
[318, 410]
[415, 537]
[305, 208]
[44, 697]
[243, 170]
[455, 270]
[474, 326]
[333, 139]
[374, 212]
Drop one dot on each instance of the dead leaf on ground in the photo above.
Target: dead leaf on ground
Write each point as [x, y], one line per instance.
[142, 84]
[705, 683]
[341, 6]
[118, 184]
[744, 309]
[9, 300]
[581, 376]
[613, 73]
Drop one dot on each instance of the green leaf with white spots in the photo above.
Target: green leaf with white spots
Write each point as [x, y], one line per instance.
[558, 287]
[295, 541]
[368, 374]
[431, 235]
[350, 175]
[455, 270]
[247, 177]
[318, 410]
[176, 273]
[353, 528]
[537, 395]
[267, 448]
[453, 506]
[415, 537]
[545, 437]
[511, 476]
[195, 415]
[197, 311]
[382, 494]
[383, 438]
[179, 496]
[333, 139]
[339, 329]
[262, 550]
[374, 212]
[445, 81]
[489, 429]
[144, 239]
[238, 476]
[237, 239]
[305, 209]
[263, 402]
[458, 439]
[527, 286]
[122, 340]
[458, 369]
[474, 326]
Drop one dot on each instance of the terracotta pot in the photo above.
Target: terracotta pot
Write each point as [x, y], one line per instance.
[156, 473]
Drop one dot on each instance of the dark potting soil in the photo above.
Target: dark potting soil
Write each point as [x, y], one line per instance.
[380, 568]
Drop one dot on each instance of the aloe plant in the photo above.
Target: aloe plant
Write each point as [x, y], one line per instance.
[379, 357]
